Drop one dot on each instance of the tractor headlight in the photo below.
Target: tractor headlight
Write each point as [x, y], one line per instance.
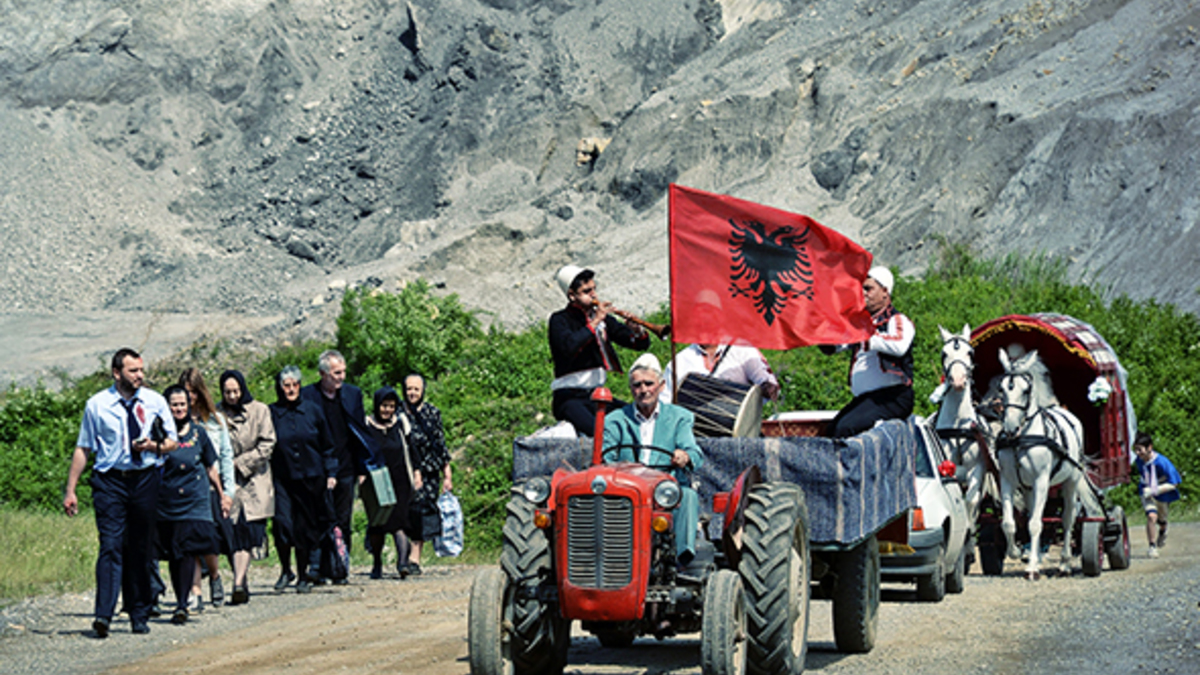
[667, 494]
[536, 490]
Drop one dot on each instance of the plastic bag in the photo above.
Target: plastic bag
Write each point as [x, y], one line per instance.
[450, 542]
[335, 557]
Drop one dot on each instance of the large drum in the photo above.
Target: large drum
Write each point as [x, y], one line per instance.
[722, 408]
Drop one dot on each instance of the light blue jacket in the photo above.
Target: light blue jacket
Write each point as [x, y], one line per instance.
[672, 431]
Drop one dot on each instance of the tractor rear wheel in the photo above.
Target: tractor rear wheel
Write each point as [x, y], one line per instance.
[856, 598]
[540, 636]
[776, 576]
[723, 631]
[488, 642]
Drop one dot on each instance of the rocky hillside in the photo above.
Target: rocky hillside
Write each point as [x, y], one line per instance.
[225, 165]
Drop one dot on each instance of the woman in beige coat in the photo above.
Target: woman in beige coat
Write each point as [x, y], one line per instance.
[253, 438]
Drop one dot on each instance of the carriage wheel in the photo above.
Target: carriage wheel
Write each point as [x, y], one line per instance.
[1092, 541]
[1117, 540]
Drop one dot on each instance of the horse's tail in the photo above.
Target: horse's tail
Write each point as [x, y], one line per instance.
[1090, 496]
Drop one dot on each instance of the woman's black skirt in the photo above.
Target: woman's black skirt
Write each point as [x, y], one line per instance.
[223, 525]
[249, 534]
[178, 539]
[301, 512]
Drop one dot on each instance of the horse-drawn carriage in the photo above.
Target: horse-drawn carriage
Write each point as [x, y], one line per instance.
[1054, 424]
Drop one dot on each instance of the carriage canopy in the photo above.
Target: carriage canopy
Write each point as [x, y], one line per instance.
[1082, 365]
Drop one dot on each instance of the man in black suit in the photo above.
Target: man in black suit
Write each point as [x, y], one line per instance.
[342, 404]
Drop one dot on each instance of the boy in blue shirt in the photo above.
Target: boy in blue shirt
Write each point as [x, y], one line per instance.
[1158, 484]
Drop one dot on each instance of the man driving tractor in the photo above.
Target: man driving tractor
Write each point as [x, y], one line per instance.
[631, 432]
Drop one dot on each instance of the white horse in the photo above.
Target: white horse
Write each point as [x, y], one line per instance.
[1040, 446]
[958, 424]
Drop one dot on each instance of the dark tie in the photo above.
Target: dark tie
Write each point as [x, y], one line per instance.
[134, 429]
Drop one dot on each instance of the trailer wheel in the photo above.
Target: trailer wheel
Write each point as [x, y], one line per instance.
[776, 574]
[932, 587]
[723, 631]
[1117, 545]
[856, 598]
[540, 636]
[956, 579]
[1092, 540]
[488, 642]
[991, 553]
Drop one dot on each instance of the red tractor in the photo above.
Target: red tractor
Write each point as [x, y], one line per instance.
[597, 545]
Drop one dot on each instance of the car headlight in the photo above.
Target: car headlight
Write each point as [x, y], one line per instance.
[536, 490]
[667, 494]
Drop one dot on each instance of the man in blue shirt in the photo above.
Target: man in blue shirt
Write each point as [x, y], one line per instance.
[1158, 485]
[128, 428]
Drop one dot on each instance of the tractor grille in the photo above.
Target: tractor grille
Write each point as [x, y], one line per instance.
[599, 541]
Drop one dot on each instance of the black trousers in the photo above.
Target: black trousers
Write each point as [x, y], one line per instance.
[866, 409]
[126, 505]
[577, 407]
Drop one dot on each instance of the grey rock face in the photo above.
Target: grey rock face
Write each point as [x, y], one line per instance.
[227, 157]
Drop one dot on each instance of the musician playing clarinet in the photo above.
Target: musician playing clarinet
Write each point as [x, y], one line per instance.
[582, 336]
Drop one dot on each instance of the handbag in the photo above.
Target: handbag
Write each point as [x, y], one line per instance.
[378, 495]
[450, 542]
[335, 557]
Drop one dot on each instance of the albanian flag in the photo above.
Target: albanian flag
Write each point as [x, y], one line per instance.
[744, 273]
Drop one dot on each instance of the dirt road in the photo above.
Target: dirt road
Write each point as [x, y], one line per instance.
[1145, 619]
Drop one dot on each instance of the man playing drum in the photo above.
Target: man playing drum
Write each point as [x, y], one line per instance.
[881, 372]
[649, 422]
[581, 343]
[742, 365]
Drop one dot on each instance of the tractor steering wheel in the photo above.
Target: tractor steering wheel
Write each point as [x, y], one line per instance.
[670, 454]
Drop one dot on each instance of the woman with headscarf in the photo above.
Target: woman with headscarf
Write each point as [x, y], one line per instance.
[185, 525]
[304, 469]
[389, 428]
[427, 442]
[205, 414]
[253, 438]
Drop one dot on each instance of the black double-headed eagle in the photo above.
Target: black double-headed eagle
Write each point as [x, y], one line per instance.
[770, 268]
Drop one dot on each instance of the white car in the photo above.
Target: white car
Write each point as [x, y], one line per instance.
[937, 528]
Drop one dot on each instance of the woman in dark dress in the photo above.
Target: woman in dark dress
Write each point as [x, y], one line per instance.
[185, 524]
[389, 429]
[303, 467]
[427, 443]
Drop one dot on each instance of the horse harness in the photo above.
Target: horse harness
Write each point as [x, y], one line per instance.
[963, 435]
[1023, 442]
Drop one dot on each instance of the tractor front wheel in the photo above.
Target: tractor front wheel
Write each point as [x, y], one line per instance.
[723, 631]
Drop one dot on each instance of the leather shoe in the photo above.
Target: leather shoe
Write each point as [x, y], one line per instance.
[303, 586]
[100, 625]
[141, 628]
[216, 591]
[377, 572]
[241, 595]
[414, 569]
[284, 579]
[341, 582]
[180, 616]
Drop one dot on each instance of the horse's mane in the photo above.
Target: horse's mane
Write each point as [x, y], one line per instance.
[1042, 394]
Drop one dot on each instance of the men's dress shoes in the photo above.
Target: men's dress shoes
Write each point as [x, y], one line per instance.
[141, 628]
[100, 625]
[284, 580]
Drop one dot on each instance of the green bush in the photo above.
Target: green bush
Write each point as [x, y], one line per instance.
[386, 336]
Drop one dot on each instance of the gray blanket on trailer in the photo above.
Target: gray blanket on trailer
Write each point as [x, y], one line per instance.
[853, 486]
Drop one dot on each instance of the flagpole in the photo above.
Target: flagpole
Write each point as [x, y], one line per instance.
[674, 373]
